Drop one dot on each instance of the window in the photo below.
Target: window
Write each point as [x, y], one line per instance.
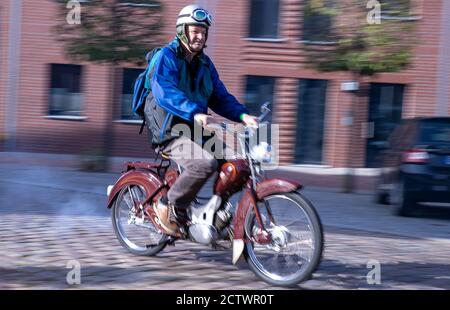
[317, 21]
[385, 113]
[65, 90]
[129, 76]
[264, 19]
[395, 9]
[435, 131]
[259, 90]
[310, 121]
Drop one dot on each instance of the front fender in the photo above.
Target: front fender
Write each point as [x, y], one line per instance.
[274, 186]
[266, 188]
[146, 179]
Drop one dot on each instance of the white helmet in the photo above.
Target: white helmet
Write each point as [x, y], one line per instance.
[192, 15]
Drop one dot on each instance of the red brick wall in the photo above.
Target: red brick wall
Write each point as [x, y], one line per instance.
[230, 26]
[38, 50]
[420, 97]
[4, 19]
[234, 56]
[285, 114]
[284, 59]
[443, 88]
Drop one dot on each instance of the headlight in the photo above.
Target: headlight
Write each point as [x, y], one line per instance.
[109, 189]
[262, 153]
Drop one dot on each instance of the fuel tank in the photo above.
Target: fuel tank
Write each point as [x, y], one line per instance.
[233, 175]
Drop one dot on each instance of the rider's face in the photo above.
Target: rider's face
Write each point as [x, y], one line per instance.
[197, 37]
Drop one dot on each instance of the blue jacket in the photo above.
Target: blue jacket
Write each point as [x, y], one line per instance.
[180, 89]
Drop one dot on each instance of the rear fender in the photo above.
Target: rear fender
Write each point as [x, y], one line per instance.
[147, 179]
[266, 188]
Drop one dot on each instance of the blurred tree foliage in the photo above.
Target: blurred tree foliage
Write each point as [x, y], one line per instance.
[111, 31]
[363, 37]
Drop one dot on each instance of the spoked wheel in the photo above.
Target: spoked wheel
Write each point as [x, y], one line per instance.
[292, 250]
[135, 231]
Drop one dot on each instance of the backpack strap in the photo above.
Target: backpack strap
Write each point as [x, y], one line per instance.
[150, 64]
[151, 59]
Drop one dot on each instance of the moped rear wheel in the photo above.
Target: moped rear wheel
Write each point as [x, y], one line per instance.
[135, 232]
[294, 249]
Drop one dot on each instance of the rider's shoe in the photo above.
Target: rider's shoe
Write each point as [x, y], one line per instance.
[168, 219]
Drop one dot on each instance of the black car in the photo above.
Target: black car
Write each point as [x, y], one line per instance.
[416, 165]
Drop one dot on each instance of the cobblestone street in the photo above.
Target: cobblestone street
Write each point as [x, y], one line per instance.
[47, 223]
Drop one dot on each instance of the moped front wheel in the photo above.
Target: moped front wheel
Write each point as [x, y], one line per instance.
[290, 249]
[133, 229]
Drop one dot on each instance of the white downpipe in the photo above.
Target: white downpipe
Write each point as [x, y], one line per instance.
[13, 65]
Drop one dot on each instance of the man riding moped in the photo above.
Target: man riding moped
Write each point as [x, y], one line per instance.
[273, 226]
[185, 83]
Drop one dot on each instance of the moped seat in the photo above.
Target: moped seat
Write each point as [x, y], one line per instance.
[141, 165]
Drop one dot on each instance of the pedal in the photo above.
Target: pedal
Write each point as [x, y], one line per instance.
[171, 241]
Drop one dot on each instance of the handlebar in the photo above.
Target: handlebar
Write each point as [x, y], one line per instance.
[264, 111]
[223, 126]
[216, 126]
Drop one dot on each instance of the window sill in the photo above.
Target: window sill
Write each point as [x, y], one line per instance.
[66, 117]
[274, 40]
[405, 18]
[128, 121]
[138, 5]
[316, 42]
[329, 170]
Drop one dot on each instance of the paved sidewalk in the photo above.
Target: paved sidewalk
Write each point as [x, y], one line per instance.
[364, 179]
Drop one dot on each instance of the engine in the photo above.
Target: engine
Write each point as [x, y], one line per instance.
[202, 229]
[223, 219]
[209, 220]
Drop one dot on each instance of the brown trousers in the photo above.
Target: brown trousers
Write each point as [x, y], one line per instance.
[198, 165]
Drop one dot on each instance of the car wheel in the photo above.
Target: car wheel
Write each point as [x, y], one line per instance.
[382, 198]
[381, 192]
[403, 202]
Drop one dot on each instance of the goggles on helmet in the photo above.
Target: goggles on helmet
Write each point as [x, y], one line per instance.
[199, 15]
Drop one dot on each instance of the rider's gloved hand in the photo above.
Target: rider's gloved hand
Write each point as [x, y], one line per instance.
[249, 120]
[204, 119]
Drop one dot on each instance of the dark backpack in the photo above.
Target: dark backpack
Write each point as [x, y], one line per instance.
[140, 91]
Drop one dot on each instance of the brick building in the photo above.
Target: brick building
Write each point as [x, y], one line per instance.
[49, 104]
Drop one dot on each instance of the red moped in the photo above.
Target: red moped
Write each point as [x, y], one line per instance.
[273, 226]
